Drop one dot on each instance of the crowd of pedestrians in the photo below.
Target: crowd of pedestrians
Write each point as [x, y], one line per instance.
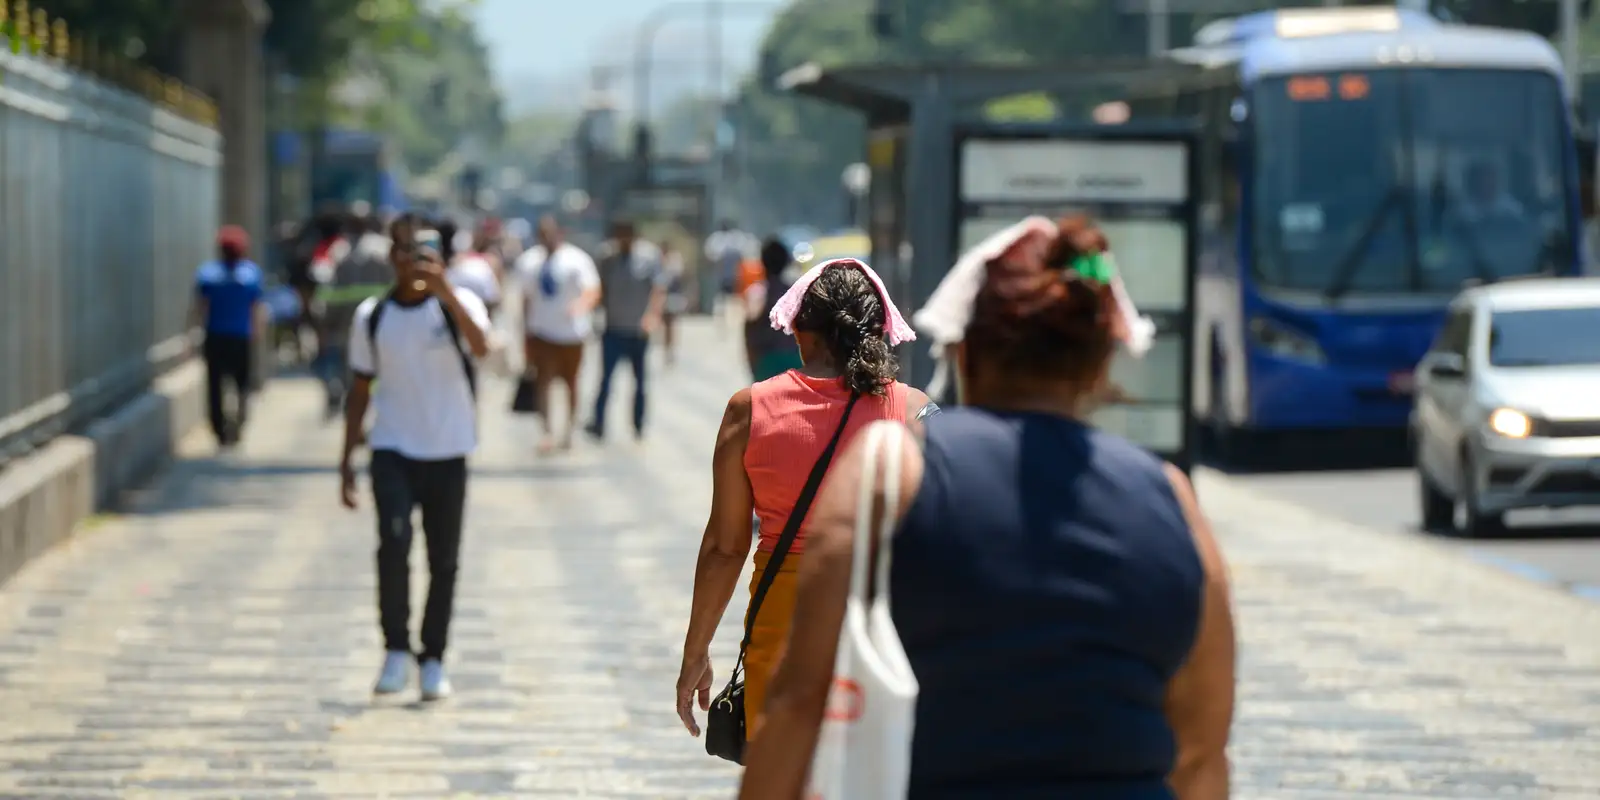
[1060, 623]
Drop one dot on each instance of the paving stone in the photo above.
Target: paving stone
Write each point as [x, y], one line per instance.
[219, 640]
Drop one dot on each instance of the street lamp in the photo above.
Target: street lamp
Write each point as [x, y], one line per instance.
[857, 181]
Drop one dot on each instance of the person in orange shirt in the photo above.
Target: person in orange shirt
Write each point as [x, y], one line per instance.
[774, 436]
[751, 272]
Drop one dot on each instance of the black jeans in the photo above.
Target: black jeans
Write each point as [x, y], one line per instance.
[399, 486]
[227, 359]
[616, 347]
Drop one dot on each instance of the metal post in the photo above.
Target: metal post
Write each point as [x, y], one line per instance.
[714, 171]
[1159, 27]
[1570, 30]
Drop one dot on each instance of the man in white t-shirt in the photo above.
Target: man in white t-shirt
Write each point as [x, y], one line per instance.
[561, 288]
[422, 338]
[474, 272]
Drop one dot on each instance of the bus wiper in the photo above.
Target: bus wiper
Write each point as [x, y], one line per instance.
[1344, 273]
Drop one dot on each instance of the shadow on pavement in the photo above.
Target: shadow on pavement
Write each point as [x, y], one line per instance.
[228, 481]
[1308, 452]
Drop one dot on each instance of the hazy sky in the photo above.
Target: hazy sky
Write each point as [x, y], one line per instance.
[544, 50]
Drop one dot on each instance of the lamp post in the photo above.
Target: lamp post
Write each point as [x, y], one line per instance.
[857, 181]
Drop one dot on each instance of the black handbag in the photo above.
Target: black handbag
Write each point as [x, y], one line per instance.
[526, 400]
[725, 733]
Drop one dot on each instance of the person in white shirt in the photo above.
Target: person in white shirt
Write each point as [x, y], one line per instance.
[561, 288]
[423, 337]
[473, 271]
[677, 302]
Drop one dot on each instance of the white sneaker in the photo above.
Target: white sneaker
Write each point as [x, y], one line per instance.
[435, 684]
[396, 674]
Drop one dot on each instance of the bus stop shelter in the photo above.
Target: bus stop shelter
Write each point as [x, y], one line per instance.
[943, 178]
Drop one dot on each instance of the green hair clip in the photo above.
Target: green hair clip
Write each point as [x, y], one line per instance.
[1096, 267]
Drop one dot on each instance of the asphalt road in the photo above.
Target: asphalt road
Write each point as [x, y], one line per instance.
[1555, 547]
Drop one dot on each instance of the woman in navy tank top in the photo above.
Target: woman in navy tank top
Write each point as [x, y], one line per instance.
[1059, 595]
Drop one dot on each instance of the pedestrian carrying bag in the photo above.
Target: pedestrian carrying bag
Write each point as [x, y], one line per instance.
[449, 324]
[725, 730]
[526, 399]
[864, 747]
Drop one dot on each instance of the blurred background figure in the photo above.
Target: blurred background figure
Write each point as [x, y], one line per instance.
[726, 249]
[677, 301]
[227, 306]
[633, 291]
[770, 352]
[560, 289]
[363, 273]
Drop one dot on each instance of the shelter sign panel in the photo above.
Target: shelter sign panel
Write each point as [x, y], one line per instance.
[1139, 192]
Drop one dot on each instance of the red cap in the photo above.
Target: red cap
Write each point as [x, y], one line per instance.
[234, 237]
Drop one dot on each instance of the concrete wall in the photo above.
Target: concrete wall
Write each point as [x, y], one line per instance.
[46, 495]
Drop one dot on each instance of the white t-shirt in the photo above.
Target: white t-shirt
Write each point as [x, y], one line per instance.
[549, 316]
[474, 273]
[422, 403]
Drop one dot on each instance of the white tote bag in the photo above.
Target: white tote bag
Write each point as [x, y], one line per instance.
[864, 750]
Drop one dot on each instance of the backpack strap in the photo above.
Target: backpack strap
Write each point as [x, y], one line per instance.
[450, 325]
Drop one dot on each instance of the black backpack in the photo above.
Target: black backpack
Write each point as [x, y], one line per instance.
[449, 324]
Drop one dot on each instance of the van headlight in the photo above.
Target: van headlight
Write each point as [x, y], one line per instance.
[1285, 342]
[1510, 423]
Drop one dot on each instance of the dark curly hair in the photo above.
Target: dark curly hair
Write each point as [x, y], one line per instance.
[843, 309]
[1034, 317]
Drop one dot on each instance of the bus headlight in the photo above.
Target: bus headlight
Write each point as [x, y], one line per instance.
[1510, 423]
[1284, 342]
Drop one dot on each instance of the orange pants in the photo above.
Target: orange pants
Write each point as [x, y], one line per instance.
[768, 636]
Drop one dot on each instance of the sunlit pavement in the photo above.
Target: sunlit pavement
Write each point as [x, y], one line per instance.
[219, 640]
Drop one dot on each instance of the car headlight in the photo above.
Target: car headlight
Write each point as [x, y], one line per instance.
[1285, 342]
[1510, 423]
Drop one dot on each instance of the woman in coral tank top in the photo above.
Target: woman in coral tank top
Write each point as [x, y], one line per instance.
[772, 436]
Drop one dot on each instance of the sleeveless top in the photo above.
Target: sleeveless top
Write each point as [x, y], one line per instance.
[792, 417]
[1046, 587]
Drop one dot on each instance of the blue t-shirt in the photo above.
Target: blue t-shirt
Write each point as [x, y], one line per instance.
[231, 296]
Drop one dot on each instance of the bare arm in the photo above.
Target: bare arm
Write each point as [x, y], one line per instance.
[1200, 698]
[778, 759]
[355, 416]
[723, 550]
[726, 542]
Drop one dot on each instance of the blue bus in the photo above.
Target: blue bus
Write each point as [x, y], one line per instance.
[350, 167]
[1360, 165]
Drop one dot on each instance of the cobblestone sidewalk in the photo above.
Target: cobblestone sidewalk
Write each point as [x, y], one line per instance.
[219, 641]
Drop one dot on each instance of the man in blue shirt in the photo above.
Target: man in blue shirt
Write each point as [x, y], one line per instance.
[228, 293]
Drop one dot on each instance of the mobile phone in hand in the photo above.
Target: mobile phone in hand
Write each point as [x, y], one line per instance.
[429, 241]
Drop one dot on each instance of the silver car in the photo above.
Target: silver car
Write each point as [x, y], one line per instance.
[1507, 411]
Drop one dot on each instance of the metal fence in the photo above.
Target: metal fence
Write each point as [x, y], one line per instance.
[108, 202]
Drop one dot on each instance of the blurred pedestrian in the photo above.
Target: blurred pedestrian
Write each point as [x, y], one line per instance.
[474, 269]
[775, 442]
[560, 289]
[422, 338]
[677, 301]
[1060, 598]
[363, 273]
[726, 249]
[227, 304]
[633, 292]
[771, 352]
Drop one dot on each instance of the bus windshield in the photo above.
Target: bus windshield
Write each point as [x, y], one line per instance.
[347, 179]
[1409, 181]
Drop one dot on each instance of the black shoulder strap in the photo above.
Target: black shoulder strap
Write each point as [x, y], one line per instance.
[791, 527]
[372, 326]
[455, 340]
[450, 325]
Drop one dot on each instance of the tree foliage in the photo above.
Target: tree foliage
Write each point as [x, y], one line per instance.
[311, 39]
